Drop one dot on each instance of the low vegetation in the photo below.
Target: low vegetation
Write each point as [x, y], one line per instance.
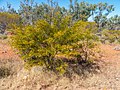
[43, 44]
[110, 36]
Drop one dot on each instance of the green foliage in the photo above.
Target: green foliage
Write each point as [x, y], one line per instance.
[6, 20]
[81, 11]
[101, 12]
[31, 12]
[111, 36]
[113, 23]
[44, 44]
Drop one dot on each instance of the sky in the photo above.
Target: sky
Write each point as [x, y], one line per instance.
[16, 3]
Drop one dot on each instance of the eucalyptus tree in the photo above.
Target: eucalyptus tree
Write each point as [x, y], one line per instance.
[10, 9]
[38, 12]
[26, 11]
[81, 11]
[78, 11]
[2, 9]
[113, 23]
[49, 11]
[101, 13]
[85, 10]
[52, 10]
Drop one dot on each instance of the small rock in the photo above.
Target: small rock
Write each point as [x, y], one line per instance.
[117, 48]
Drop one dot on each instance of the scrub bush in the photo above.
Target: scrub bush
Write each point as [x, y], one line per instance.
[111, 36]
[45, 44]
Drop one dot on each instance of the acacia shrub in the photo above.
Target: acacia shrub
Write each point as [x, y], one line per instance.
[43, 44]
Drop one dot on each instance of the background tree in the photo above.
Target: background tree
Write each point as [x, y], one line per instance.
[10, 9]
[101, 12]
[80, 11]
[113, 23]
[26, 11]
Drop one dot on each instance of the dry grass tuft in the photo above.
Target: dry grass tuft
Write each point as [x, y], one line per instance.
[15, 77]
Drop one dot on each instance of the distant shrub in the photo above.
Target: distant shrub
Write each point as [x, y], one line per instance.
[2, 36]
[43, 44]
[6, 21]
[111, 36]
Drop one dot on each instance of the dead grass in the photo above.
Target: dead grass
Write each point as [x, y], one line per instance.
[18, 78]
